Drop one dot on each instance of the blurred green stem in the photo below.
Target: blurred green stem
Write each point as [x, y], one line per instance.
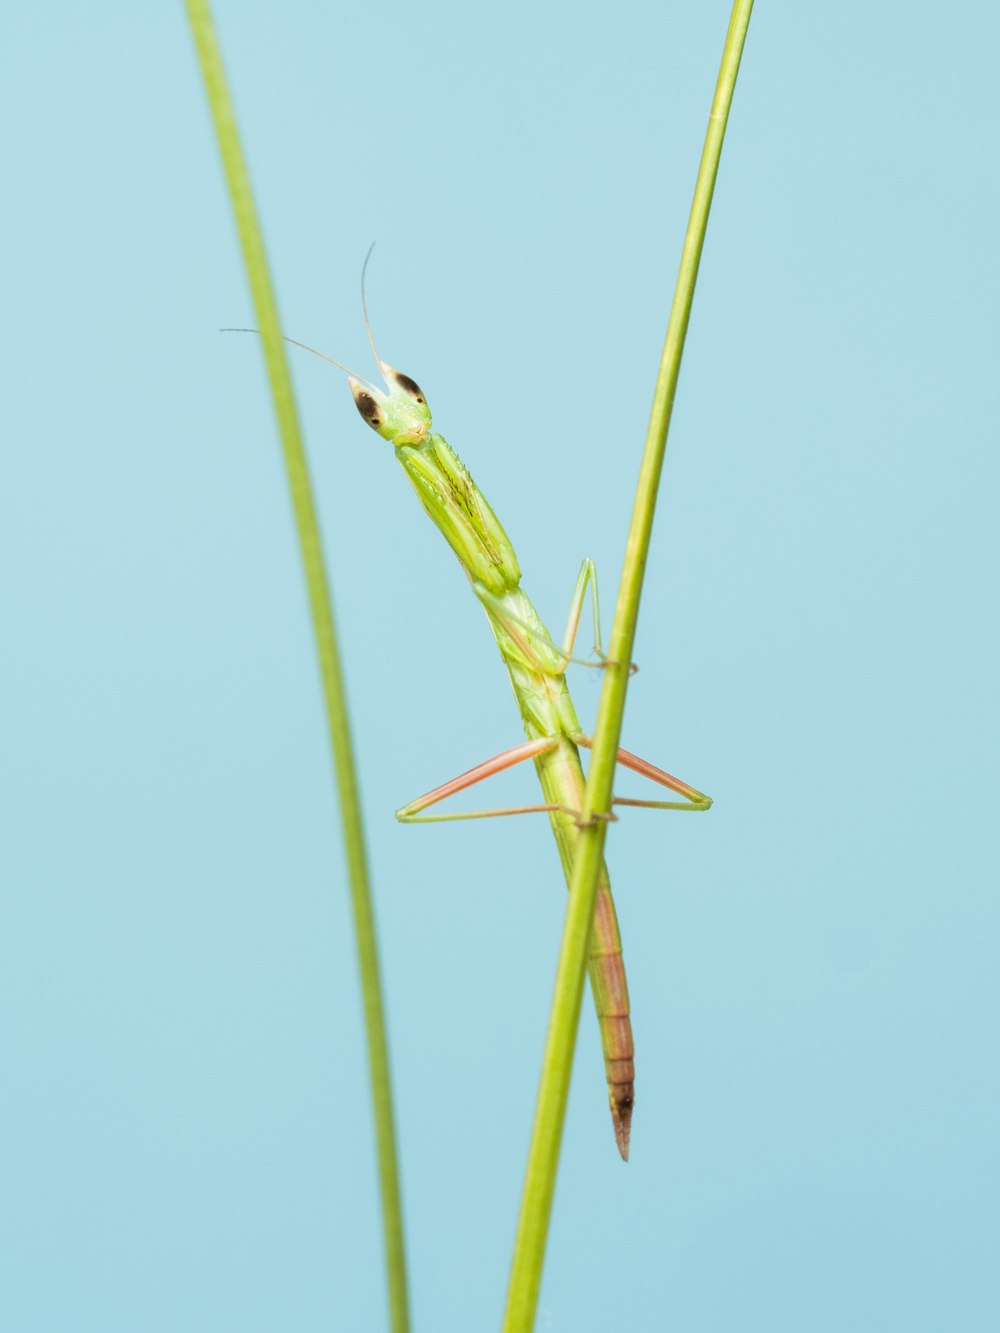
[326, 643]
[543, 1155]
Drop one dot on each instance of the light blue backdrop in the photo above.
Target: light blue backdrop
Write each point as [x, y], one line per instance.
[185, 1121]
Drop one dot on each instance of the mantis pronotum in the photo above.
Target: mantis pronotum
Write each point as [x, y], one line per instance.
[537, 667]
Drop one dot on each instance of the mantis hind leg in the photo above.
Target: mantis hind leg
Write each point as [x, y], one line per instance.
[411, 813]
[693, 798]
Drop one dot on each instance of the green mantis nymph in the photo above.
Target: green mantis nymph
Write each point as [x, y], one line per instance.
[536, 666]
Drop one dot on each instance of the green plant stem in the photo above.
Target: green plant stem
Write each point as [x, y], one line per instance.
[304, 508]
[543, 1155]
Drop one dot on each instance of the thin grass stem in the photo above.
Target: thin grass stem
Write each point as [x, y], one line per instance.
[543, 1154]
[321, 609]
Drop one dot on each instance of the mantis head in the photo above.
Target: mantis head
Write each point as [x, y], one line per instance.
[401, 415]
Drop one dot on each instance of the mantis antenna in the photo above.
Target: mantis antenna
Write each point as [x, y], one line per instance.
[364, 310]
[333, 362]
[316, 352]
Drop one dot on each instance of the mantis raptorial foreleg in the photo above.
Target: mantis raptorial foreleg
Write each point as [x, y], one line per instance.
[533, 644]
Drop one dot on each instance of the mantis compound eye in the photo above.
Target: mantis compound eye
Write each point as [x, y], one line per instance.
[409, 387]
[368, 408]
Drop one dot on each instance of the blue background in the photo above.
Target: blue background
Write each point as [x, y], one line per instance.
[186, 1141]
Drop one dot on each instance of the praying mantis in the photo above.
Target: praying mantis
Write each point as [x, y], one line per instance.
[536, 666]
